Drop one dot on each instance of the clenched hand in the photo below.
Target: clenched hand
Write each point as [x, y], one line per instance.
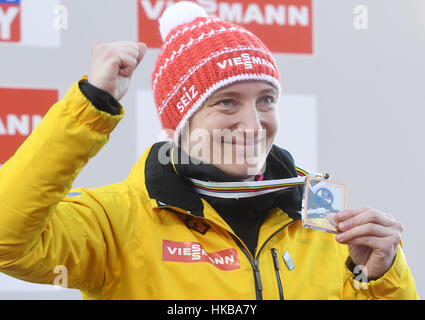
[113, 64]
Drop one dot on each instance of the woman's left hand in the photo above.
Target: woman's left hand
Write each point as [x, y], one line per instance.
[372, 238]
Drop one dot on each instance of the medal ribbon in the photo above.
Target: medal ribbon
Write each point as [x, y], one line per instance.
[245, 189]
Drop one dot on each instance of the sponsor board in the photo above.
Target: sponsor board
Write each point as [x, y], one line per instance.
[285, 26]
[10, 20]
[20, 112]
[29, 23]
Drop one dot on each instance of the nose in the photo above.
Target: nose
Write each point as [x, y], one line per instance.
[249, 122]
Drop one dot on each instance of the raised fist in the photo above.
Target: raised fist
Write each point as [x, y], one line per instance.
[113, 64]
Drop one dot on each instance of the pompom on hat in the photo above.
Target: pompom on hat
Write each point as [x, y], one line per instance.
[200, 55]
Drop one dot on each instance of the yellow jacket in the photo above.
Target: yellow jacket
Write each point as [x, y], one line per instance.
[122, 241]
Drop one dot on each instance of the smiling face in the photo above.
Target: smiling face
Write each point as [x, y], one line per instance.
[235, 128]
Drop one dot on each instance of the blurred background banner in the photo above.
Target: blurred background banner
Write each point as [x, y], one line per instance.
[10, 20]
[21, 110]
[283, 25]
[28, 23]
[353, 104]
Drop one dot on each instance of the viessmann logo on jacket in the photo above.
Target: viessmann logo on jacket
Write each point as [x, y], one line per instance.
[285, 26]
[187, 251]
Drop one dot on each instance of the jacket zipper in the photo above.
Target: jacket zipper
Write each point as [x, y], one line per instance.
[255, 268]
[255, 263]
[276, 268]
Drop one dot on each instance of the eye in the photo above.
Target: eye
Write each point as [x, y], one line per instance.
[224, 103]
[266, 101]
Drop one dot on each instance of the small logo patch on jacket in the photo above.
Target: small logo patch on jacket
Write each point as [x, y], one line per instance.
[196, 224]
[187, 251]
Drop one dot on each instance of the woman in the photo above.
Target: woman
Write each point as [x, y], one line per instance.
[158, 234]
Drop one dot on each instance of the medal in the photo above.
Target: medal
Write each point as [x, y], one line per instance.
[322, 200]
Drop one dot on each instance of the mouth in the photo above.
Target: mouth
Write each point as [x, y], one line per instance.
[242, 142]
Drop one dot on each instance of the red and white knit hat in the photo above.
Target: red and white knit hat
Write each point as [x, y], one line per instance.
[200, 55]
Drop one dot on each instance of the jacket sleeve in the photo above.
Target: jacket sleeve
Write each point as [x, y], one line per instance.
[396, 284]
[39, 227]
